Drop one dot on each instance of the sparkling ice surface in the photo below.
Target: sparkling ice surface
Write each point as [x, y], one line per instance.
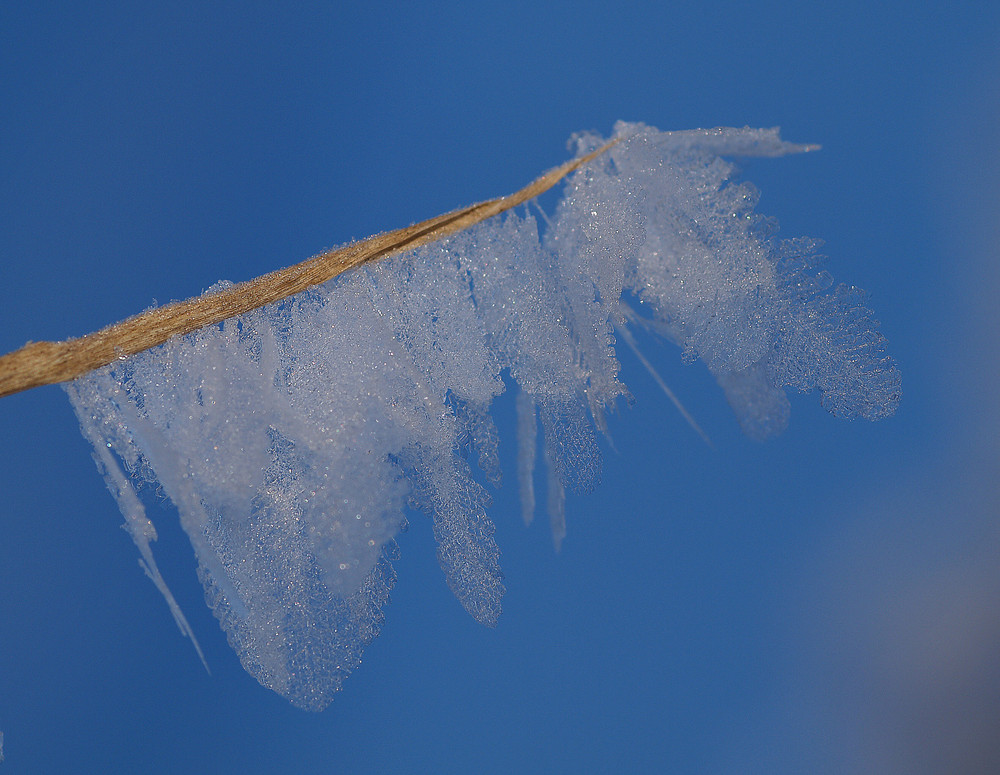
[293, 438]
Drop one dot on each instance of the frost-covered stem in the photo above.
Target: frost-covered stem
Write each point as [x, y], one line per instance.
[45, 363]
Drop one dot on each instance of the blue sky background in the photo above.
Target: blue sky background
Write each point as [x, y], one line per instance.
[825, 602]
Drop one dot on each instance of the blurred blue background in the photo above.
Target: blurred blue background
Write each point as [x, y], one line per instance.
[825, 602]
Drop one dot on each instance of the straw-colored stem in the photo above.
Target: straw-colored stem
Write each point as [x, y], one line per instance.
[45, 363]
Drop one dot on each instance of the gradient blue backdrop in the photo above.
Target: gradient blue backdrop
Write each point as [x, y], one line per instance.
[825, 602]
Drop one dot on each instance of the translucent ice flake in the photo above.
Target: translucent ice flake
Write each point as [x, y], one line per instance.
[292, 438]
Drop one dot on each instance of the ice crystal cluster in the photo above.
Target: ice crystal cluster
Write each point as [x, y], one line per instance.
[292, 439]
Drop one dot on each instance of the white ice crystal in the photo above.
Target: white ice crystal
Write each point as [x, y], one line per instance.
[292, 438]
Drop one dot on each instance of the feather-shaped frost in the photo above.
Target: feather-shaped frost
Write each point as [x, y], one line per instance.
[292, 438]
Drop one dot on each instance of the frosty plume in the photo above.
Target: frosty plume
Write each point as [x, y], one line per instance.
[293, 437]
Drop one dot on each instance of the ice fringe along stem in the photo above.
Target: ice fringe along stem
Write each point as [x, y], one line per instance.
[293, 437]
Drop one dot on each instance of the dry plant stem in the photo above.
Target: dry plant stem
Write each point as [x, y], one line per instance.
[45, 363]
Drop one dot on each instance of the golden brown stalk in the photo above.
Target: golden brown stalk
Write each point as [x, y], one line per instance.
[45, 363]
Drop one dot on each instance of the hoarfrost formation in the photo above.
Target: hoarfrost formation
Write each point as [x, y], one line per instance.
[291, 439]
